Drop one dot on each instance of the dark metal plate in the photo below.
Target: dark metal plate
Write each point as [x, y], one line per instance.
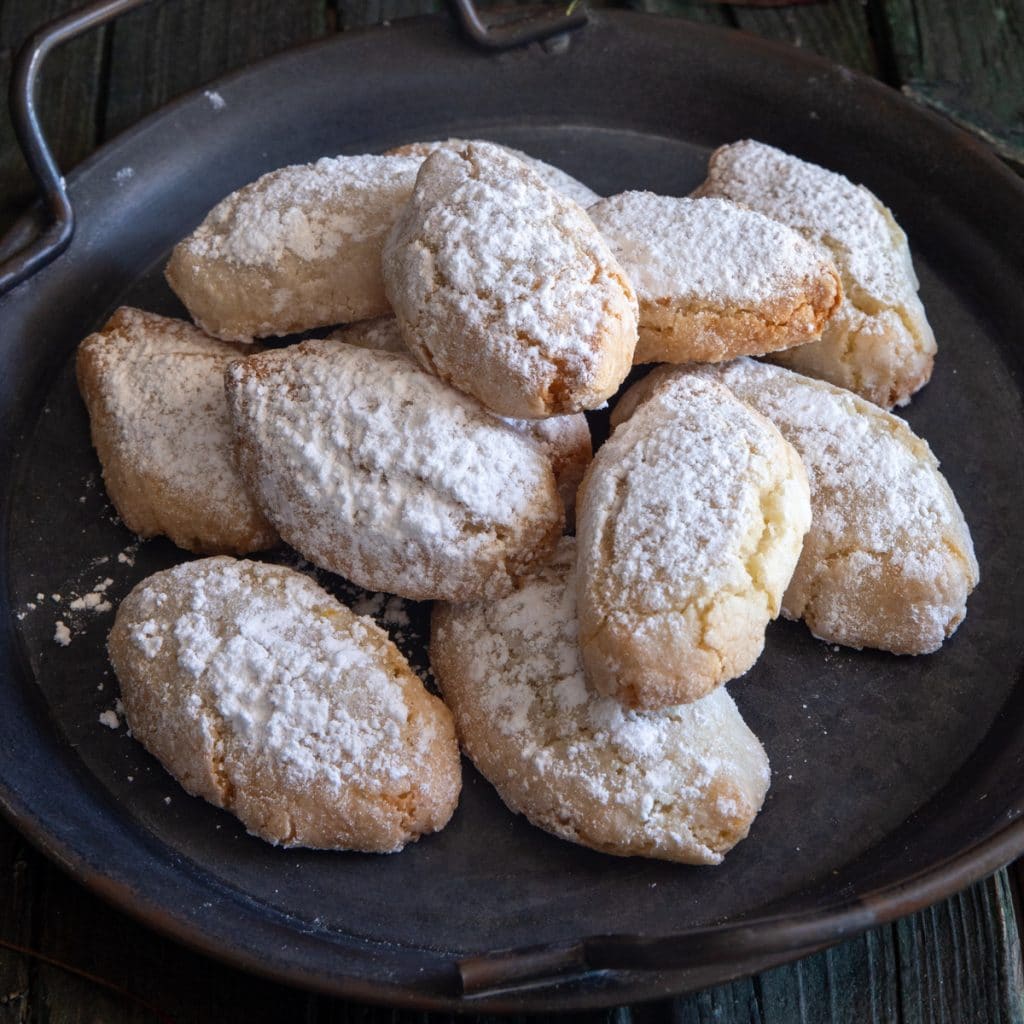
[895, 781]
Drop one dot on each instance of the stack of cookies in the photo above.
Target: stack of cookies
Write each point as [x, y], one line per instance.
[433, 444]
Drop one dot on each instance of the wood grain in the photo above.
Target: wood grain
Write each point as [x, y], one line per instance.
[69, 92]
[837, 30]
[965, 60]
[17, 887]
[160, 52]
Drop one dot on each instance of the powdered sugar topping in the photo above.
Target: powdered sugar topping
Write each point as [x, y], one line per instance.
[525, 683]
[869, 248]
[309, 211]
[279, 669]
[705, 251]
[486, 249]
[368, 445]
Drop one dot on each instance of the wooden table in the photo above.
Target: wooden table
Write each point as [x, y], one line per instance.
[959, 961]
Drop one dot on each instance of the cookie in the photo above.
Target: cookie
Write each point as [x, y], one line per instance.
[297, 249]
[264, 695]
[888, 562]
[715, 280]
[553, 176]
[504, 288]
[879, 343]
[690, 521]
[375, 469]
[564, 439]
[154, 388]
[682, 784]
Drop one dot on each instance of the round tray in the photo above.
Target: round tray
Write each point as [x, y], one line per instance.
[895, 780]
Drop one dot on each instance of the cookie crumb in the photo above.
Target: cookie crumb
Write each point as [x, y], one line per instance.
[61, 634]
[109, 719]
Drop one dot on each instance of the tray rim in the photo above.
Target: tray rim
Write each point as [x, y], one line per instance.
[823, 928]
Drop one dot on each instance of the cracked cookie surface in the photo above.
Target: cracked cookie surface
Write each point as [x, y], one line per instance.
[297, 249]
[715, 280]
[261, 693]
[558, 179]
[888, 562]
[154, 388]
[690, 522]
[565, 440]
[680, 784]
[377, 470]
[879, 343]
[504, 288]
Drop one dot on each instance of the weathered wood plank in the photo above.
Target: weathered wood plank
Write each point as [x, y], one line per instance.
[965, 61]
[704, 13]
[68, 98]
[359, 13]
[79, 929]
[17, 887]
[161, 52]
[838, 30]
[959, 961]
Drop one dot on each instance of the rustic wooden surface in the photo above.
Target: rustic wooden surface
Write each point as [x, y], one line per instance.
[959, 961]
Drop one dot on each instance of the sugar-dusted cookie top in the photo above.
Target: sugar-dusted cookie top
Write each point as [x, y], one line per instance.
[564, 439]
[154, 388]
[879, 344]
[680, 784]
[377, 470]
[888, 561]
[553, 176]
[263, 694]
[298, 248]
[504, 288]
[690, 521]
[716, 280]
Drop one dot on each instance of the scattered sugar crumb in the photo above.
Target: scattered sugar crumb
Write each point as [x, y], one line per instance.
[109, 719]
[167, 800]
[40, 597]
[56, 598]
[61, 634]
[131, 778]
[216, 100]
[370, 604]
[394, 613]
[124, 175]
[81, 500]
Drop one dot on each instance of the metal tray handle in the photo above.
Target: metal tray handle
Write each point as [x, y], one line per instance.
[49, 242]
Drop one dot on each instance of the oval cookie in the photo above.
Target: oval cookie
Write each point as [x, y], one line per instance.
[154, 388]
[879, 343]
[505, 289]
[888, 562]
[682, 784]
[690, 521]
[377, 470]
[297, 249]
[264, 695]
[716, 280]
